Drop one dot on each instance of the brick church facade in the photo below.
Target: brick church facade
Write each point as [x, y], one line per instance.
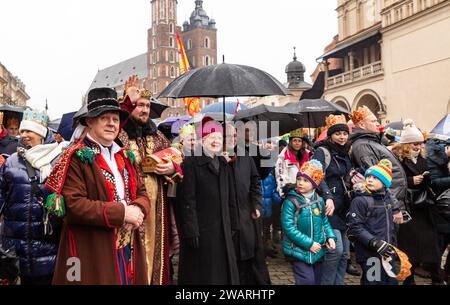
[160, 65]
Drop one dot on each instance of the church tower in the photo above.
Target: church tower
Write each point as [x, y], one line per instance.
[200, 41]
[200, 38]
[162, 45]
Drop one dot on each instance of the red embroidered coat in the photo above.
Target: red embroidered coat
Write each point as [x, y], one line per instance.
[90, 226]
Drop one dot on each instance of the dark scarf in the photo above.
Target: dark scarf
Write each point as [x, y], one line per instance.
[135, 130]
[341, 150]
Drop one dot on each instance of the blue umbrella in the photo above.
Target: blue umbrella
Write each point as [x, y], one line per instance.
[66, 127]
[230, 107]
[443, 127]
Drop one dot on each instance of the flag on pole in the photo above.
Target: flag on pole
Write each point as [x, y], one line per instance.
[192, 103]
[238, 107]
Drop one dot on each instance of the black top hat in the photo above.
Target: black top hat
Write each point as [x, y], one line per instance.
[101, 100]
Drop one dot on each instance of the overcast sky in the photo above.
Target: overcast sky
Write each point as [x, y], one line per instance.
[56, 46]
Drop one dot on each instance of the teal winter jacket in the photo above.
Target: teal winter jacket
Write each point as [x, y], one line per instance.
[302, 229]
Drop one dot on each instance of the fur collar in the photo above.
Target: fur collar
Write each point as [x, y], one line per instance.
[135, 131]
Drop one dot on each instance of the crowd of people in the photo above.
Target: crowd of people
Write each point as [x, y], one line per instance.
[97, 208]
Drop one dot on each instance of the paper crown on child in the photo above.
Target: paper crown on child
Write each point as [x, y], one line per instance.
[397, 265]
[383, 171]
[186, 130]
[313, 171]
[336, 123]
[360, 114]
[35, 121]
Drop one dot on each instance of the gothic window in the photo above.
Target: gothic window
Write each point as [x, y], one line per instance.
[171, 9]
[189, 44]
[172, 72]
[154, 73]
[207, 61]
[171, 42]
[171, 27]
[162, 5]
[207, 42]
[171, 58]
[154, 43]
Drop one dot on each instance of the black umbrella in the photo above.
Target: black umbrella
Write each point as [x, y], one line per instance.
[224, 80]
[12, 112]
[53, 125]
[287, 120]
[316, 110]
[10, 108]
[398, 125]
[156, 108]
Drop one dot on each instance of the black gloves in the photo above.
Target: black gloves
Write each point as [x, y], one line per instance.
[192, 242]
[382, 248]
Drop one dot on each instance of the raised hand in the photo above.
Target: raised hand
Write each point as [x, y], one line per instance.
[132, 88]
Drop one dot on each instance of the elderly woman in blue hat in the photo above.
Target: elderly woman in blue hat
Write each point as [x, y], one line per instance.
[28, 228]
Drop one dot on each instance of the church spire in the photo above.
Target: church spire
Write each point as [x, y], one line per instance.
[295, 55]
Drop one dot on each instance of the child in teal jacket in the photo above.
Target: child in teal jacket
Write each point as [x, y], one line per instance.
[306, 228]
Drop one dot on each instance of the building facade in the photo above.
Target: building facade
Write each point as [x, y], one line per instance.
[159, 66]
[12, 90]
[199, 37]
[391, 60]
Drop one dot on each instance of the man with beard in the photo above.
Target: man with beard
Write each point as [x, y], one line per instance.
[140, 135]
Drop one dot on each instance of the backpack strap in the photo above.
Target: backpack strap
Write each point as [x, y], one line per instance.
[327, 155]
[32, 177]
[299, 206]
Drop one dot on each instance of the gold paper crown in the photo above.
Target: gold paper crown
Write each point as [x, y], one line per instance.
[360, 114]
[335, 119]
[146, 94]
[297, 133]
[186, 130]
[314, 170]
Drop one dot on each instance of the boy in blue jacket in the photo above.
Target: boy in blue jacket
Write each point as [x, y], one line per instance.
[371, 224]
[306, 227]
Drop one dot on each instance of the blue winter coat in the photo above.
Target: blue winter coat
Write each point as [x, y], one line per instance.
[269, 194]
[367, 222]
[312, 226]
[333, 184]
[23, 226]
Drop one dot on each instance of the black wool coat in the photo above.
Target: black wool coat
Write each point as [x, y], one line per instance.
[207, 210]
